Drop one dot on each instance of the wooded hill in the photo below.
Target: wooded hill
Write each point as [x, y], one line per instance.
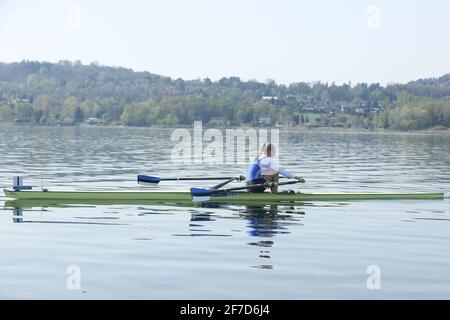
[70, 93]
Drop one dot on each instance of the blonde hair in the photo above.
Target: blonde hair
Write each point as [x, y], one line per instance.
[270, 150]
[261, 151]
[263, 148]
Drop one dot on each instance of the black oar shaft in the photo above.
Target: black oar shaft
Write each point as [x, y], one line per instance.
[220, 185]
[197, 179]
[202, 179]
[149, 179]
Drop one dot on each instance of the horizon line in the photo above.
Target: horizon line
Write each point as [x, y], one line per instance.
[312, 82]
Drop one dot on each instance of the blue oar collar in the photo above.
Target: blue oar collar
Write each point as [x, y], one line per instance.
[148, 179]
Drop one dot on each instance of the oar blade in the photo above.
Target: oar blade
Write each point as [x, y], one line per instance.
[147, 179]
[199, 194]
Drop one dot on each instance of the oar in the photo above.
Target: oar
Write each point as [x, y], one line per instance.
[199, 192]
[220, 185]
[149, 179]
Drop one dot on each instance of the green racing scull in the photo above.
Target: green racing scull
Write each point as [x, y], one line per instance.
[216, 194]
[184, 196]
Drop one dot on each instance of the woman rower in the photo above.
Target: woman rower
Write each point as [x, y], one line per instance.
[266, 169]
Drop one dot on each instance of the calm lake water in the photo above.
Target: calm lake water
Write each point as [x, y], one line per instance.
[317, 250]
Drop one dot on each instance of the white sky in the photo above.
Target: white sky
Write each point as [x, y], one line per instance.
[285, 40]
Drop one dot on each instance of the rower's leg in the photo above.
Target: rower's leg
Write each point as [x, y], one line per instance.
[253, 182]
[273, 178]
[274, 188]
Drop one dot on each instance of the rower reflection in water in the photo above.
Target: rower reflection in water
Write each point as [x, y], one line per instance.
[264, 223]
[265, 168]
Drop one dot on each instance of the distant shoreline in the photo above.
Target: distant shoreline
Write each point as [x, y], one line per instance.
[443, 131]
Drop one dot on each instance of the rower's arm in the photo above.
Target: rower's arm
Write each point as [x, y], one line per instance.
[286, 173]
[273, 166]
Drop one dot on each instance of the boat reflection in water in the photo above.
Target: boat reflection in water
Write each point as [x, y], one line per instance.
[261, 223]
[19, 217]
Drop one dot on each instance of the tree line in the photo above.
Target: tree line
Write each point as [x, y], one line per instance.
[69, 92]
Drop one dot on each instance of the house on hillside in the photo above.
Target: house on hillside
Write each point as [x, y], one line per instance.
[264, 121]
[348, 108]
[92, 121]
[270, 99]
[218, 122]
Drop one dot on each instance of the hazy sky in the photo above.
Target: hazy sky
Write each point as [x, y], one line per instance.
[285, 40]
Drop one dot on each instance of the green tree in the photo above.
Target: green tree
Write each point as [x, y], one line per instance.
[325, 97]
[244, 115]
[6, 113]
[45, 103]
[38, 115]
[78, 115]
[88, 107]
[69, 106]
[43, 120]
[141, 114]
[24, 112]
[383, 119]
[262, 108]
